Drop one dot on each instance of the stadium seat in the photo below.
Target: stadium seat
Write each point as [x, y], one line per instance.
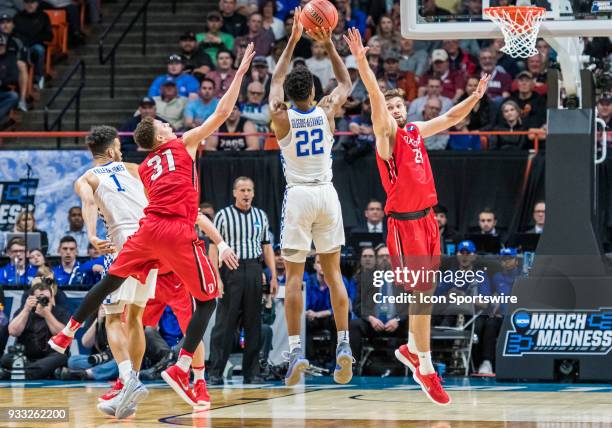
[59, 43]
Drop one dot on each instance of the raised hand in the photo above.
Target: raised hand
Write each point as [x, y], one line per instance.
[353, 40]
[298, 28]
[482, 86]
[319, 34]
[249, 54]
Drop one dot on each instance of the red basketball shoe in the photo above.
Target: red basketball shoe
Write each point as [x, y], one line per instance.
[112, 393]
[431, 385]
[200, 393]
[60, 342]
[179, 381]
[407, 358]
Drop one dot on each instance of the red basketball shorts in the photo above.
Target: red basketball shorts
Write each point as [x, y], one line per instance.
[169, 245]
[169, 291]
[415, 245]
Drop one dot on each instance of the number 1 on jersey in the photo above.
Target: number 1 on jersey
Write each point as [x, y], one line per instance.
[156, 163]
[116, 180]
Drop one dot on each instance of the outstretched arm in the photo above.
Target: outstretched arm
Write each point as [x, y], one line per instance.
[455, 114]
[194, 137]
[383, 123]
[85, 190]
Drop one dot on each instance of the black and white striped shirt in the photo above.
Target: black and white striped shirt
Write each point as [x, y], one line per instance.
[244, 232]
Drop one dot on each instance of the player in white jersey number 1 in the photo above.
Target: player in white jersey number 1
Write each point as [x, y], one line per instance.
[311, 209]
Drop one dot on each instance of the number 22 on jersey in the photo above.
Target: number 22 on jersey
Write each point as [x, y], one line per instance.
[156, 163]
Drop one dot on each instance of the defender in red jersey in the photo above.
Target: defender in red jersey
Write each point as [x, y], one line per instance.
[413, 236]
[166, 238]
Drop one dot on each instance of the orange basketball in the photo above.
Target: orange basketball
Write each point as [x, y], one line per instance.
[319, 13]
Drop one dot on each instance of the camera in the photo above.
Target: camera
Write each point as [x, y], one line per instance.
[42, 301]
[101, 358]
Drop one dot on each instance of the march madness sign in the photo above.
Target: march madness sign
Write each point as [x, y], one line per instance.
[14, 195]
[586, 332]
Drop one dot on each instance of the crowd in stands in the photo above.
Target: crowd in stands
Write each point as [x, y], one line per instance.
[434, 75]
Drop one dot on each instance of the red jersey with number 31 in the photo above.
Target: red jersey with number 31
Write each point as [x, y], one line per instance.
[170, 178]
[406, 176]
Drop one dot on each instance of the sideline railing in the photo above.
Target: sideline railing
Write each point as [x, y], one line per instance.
[79, 68]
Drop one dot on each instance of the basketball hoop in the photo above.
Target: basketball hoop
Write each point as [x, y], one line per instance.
[520, 26]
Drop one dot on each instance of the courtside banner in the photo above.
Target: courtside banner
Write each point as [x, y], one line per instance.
[585, 332]
[49, 191]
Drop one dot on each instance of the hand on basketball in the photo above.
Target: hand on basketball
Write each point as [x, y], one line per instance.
[298, 28]
[229, 258]
[482, 86]
[319, 34]
[353, 40]
[103, 246]
[249, 54]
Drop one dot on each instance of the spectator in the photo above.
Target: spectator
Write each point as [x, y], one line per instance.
[76, 229]
[254, 109]
[208, 210]
[481, 115]
[539, 216]
[374, 55]
[604, 110]
[267, 9]
[320, 65]
[375, 216]
[452, 82]
[197, 111]
[487, 327]
[301, 62]
[363, 140]
[93, 269]
[432, 109]
[73, 16]
[9, 7]
[214, 39]
[286, 7]
[224, 74]
[429, 10]
[546, 53]
[238, 124]
[463, 142]
[500, 83]
[434, 89]
[38, 320]
[186, 84]
[37, 259]
[262, 38]
[95, 338]
[510, 122]
[448, 235]
[359, 94]
[505, 61]
[372, 318]
[397, 79]
[197, 62]
[21, 224]
[473, 8]
[414, 61]
[33, 27]
[259, 73]
[532, 106]
[268, 315]
[233, 22]
[386, 35]
[15, 45]
[17, 272]
[458, 59]
[303, 46]
[68, 272]
[170, 106]
[146, 108]
[487, 221]
[338, 37]
[353, 17]
[9, 81]
[535, 66]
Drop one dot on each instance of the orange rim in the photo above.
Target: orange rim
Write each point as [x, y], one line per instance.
[513, 12]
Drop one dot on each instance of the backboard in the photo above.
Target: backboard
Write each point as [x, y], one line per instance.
[463, 19]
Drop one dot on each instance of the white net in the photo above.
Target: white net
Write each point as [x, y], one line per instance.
[520, 26]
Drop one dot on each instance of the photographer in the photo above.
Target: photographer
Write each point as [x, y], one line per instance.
[33, 326]
[100, 365]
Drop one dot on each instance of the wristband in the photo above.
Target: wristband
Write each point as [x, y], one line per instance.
[222, 246]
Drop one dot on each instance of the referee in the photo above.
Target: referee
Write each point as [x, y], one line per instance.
[245, 229]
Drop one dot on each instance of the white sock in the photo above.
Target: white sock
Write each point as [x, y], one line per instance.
[71, 328]
[184, 363]
[343, 336]
[425, 365]
[294, 342]
[411, 343]
[198, 374]
[125, 369]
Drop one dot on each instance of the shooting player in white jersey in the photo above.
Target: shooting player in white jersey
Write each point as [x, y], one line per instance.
[311, 209]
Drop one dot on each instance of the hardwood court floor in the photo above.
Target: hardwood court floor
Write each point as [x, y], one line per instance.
[366, 402]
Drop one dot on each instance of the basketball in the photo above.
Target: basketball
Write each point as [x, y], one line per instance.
[319, 13]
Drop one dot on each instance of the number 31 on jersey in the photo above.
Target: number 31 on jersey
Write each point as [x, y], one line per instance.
[156, 163]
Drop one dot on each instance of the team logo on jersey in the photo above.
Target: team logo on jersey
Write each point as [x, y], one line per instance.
[586, 332]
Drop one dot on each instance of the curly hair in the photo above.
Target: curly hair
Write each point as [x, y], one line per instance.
[144, 135]
[100, 138]
[298, 84]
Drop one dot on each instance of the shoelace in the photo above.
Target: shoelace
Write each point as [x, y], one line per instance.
[437, 383]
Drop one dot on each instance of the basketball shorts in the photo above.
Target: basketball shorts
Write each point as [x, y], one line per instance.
[169, 292]
[311, 214]
[415, 245]
[169, 245]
